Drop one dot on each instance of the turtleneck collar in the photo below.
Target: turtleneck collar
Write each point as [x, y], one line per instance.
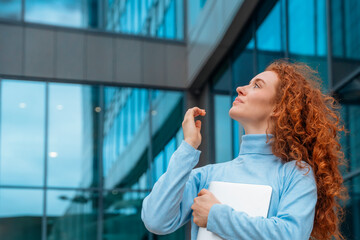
[255, 143]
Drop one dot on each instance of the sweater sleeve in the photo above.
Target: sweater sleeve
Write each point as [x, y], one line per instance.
[168, 206]
[294, 219]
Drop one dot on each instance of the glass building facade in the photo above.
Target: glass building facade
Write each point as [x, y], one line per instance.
[150, 18]
[76, 160]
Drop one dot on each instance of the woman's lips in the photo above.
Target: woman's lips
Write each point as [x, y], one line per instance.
[237, 100]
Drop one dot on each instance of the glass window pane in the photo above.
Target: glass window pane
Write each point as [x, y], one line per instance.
[179, 137]
[71, 126]
[223, 150]
[22, 133]
[301, 20]
[238, 131]
[169, 150]
[21, 213]
[55, 12]
[158, 166]
[309, 18]
[269, 38]
[351, 222]
[10, 9]
[222, 80]
[71, 215]
[126, 138]
[122, 216]
[179, 19]
[193, 11]
[170, 21]
[243, 70]
[353, 139]
[345, 25]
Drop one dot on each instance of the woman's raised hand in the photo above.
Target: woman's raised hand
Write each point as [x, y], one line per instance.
[191, 128]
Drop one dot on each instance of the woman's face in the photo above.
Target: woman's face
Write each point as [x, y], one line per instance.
[254, 103]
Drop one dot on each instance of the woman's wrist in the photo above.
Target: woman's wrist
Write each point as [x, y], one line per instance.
[190, 142]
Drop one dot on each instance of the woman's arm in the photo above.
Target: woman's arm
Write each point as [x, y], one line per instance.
[168, 206]
[294, 219]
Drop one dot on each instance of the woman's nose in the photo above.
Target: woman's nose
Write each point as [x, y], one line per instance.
[241, 90]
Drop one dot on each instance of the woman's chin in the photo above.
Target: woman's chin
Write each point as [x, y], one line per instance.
[233, 113]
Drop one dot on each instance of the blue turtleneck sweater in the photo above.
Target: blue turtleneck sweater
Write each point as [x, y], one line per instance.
[292, 205]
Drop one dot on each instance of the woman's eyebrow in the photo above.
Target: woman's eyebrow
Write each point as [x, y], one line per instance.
[258, 79]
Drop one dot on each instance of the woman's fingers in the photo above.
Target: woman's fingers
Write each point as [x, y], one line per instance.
[198, 124]
[191, 128]
[194, 112]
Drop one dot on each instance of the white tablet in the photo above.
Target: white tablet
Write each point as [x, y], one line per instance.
[249, 198]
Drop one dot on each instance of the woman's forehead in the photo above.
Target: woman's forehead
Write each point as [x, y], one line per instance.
[269, 77]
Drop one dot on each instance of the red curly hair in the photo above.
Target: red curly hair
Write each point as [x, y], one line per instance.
[306, 127]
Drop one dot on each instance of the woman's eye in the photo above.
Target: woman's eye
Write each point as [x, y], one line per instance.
[255, 85]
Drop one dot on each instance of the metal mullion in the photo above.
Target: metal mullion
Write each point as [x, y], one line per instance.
[315, 28]
[175, 17]
[352, 174]
[185, 20]
[44, 218]
[150, 153]
[329, 45]
[49, 188]
[0, 123]
[100, 134]
[286, 28]
[124, 190]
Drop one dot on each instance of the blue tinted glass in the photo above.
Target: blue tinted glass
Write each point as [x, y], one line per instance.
[223, 79]
[309, 18]
[345, 26]
[158, 166]
[169, 150]
[126, 136]
[22, 133]
[71, 214]
[321, 34]
[354, 116]
[21, 213]
[352, 28]
[243, 69]
[10, 9]
[194, 8]
[122, 216]
[202, 3]
[338, 31]
[238, 131]
[301, 27]
[179, 137]
[270, 31]
[251, 44]
[269, 38]
[57, 12]
[165, 104]
[71, 131]
[223, 151]
[349, 226]
[179, 19]
[170, 21]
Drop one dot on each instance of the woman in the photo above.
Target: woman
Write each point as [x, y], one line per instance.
[291, 143]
